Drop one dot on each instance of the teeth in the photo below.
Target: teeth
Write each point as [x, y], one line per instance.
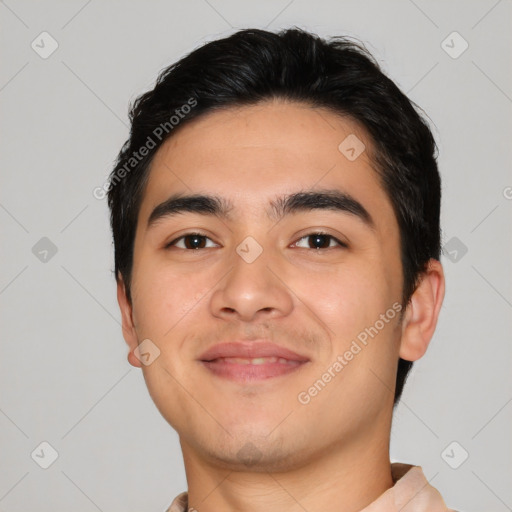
[255, 361]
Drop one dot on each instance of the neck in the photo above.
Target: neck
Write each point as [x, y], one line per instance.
[342, 479]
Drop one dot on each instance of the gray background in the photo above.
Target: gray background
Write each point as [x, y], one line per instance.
[64, 377]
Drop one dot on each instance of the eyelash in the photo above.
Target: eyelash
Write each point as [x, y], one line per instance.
[315, 233]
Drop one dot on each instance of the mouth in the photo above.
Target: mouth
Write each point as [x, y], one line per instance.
[251, 361]
[249, 369]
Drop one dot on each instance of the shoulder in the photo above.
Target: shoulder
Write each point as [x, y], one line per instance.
[179, 504]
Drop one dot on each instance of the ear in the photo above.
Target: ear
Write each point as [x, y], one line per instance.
[129, 333]
[422, 312]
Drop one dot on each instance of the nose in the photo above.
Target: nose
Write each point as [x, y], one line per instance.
[252, 291]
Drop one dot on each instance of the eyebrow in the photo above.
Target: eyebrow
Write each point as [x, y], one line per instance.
[220, 207]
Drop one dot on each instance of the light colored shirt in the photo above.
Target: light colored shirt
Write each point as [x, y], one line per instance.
[411, 492]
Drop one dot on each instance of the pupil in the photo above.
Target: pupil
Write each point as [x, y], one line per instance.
[194, 241]
[319, 240]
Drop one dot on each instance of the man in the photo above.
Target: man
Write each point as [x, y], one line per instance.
[275, 215]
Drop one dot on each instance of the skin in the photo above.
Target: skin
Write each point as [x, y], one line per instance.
[331, 454]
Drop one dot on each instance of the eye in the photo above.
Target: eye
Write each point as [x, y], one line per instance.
[191, 241]
[319, 241]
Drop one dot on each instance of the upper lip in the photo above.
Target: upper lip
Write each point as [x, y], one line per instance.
[250, 350]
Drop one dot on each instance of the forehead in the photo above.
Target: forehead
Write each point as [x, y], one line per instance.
[251, 154]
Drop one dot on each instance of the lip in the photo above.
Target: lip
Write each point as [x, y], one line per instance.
[251, 350]
[217, 360]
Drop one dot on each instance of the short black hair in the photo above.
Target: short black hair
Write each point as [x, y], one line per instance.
[252, 66]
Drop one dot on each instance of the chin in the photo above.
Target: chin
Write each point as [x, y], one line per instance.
[259, 458]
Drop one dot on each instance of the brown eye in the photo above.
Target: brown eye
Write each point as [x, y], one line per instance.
[319, 241]
[191, 241]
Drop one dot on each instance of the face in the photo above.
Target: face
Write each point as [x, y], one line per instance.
[319, 277]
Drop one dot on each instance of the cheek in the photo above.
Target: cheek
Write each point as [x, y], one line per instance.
[348, 303]
[346, 298]
[164, 295]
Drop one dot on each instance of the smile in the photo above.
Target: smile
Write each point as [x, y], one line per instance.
[250, 369]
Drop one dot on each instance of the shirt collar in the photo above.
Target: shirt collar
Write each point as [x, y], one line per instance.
[411, 492]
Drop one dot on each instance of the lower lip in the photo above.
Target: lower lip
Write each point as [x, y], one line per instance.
[251, 372]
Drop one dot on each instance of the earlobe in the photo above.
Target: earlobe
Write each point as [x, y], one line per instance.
[129, 333]
[422, 312]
